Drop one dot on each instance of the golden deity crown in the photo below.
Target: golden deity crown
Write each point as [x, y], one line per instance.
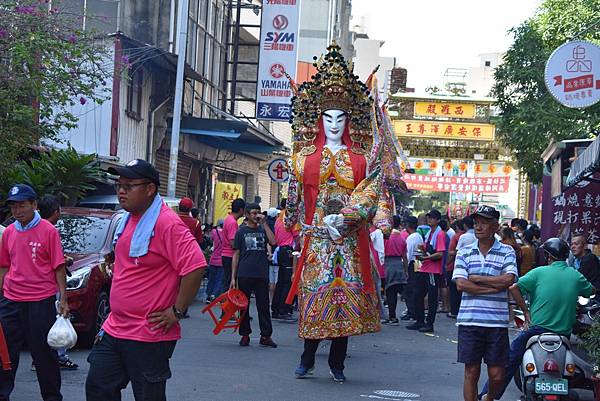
[334, 86]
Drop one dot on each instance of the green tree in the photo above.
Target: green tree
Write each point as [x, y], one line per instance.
[530, 116]
[47, 64]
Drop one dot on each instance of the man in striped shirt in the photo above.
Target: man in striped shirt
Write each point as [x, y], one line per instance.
[483, 271]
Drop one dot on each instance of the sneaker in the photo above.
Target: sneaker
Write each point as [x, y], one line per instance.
[338, 375]
[276, 316]
[415, 326]
[267, 342]
[288, 318]
[68, 364]
[302, 371]
[394, 322]
[407, 318]
[428, 328]
[245, 341]
[385, 321]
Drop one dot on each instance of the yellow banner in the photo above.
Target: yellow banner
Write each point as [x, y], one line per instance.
[225, 193]
[444, 130]
[438, 109]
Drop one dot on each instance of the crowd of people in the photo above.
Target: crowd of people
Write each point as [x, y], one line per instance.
[462, 268]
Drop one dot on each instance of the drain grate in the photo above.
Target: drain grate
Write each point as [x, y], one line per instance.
[395, 393]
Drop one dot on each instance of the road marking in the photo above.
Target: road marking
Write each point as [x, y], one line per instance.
[396, 393]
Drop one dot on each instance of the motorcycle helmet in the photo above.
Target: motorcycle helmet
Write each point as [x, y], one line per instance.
[556, 248]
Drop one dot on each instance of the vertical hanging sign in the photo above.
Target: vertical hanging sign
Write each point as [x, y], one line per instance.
[278, 54]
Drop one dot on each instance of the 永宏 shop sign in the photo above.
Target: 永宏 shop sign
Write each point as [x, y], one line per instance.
[573, 74]
[278, 53]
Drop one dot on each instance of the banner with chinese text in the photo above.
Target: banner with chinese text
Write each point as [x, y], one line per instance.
[436, 109]
[579, 208]
[445, 130]
[225, 193]
[278, 54]
[456, 184]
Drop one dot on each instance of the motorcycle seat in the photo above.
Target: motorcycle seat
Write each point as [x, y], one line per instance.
[550, 337]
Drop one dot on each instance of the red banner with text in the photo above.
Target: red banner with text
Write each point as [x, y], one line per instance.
[456, 184]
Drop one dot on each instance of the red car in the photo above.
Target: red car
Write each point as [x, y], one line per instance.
[86, 236]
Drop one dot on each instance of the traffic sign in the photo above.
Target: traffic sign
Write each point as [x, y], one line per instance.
[278, 170]
[573, 74]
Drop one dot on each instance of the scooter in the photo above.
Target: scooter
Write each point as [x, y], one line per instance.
[552, 367]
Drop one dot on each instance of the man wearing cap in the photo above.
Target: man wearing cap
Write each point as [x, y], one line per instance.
[483, 271]
[428, 278]
[185, 207]
[157, 271]
[32, 271]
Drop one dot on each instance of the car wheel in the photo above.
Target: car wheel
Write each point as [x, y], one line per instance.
[102, 311]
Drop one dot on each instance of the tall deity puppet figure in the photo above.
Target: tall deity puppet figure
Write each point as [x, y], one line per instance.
[333, 200]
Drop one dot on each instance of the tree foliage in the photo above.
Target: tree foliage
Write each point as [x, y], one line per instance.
[60, 172]
[530, 116]
[48, 63]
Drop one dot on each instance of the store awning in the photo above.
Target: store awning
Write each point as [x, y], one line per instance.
[232, 135]
[587, 163]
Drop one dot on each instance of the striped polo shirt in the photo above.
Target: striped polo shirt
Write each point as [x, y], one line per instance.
[488, 310]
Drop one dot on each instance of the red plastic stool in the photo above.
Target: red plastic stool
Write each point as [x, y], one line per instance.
[230, 302]
[4, 356]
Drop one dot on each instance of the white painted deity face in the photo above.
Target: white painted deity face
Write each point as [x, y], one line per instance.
[334, 122]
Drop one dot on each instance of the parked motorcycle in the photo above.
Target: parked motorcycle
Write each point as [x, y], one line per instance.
[554, 366]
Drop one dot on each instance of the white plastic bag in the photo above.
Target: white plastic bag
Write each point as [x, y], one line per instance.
[62, 334]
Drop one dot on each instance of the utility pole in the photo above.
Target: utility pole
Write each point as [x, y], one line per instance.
[181, 45]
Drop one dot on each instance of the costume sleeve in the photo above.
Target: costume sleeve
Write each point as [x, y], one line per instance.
[292, 206]
[364, 198]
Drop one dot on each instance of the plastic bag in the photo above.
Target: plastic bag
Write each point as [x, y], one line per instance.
[62, 334]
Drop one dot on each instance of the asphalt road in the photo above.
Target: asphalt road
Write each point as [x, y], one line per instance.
[395, 364]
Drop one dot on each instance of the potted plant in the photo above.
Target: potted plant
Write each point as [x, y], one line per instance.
[591, 343]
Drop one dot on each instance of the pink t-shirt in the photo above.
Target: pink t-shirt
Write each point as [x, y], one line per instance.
[282, 236]
[230, 227]
[404, 234]
[150, 283]
[217, 239]
[32, 257]
[395, 245]
[431, 266]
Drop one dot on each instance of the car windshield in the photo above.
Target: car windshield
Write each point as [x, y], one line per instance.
[82, 234]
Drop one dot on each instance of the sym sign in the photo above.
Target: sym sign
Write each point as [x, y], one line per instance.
[278, 53]
[573, 74]
[278, 170]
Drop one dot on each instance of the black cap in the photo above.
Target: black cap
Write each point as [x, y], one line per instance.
[435, 214]
[21, 192]
[137, 168]
[487, 212]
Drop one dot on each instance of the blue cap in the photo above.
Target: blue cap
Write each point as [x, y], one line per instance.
[21, 192]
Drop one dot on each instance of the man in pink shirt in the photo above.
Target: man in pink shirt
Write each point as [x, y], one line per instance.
[32, 271]
[428, 278]
[230, 227]
[285, 246]
[156, 274]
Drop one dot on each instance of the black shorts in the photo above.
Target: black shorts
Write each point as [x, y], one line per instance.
[489, 343]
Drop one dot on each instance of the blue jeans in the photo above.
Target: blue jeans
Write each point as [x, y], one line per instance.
[515, 357]
[215, 281]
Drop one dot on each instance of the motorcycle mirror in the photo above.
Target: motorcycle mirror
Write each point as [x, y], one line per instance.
[583, 301]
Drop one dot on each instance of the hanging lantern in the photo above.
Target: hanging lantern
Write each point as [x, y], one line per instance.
[492, 168]
[478, 168]
[507, 169]
[448, 166]
[419, 164]
[432, 165]
[462, 167]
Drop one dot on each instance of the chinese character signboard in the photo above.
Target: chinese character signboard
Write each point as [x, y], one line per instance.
[278, 170]
[573, 74]
[437, 109]
[579, 208]
[225, 193]
[444, 130]
[489, 185]
[278, 51]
